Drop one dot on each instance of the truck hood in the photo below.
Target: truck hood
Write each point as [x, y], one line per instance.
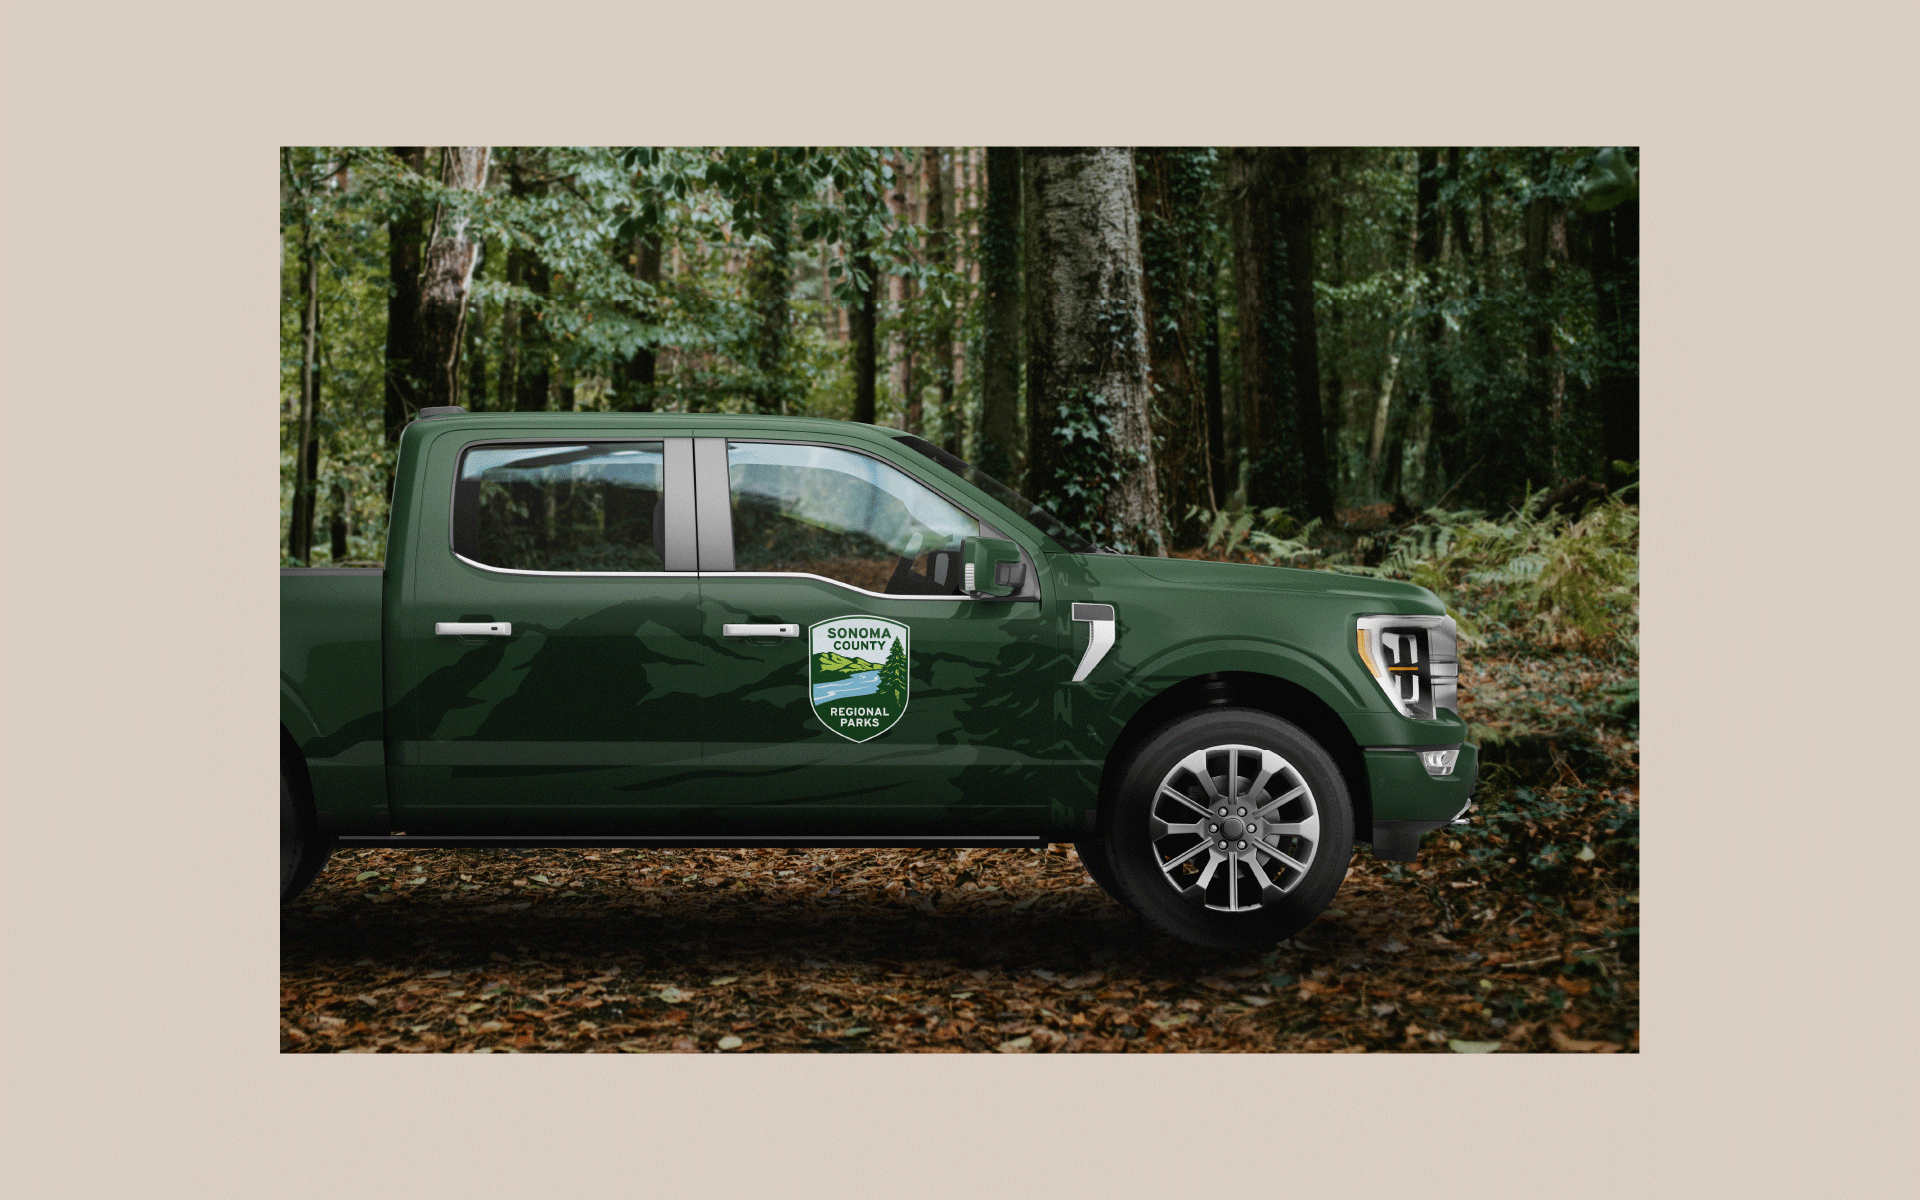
[1189, 572]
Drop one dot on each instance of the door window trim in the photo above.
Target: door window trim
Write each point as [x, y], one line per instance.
[677, 522]
[710, 462]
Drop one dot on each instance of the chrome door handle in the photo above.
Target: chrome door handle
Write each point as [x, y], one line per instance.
[1100, 621]
[760, 630]
[473, 629]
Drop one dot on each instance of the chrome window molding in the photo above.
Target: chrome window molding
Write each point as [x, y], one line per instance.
[987, 528]
[956, 597]
[582, 574]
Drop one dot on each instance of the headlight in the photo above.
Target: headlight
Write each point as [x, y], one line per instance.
[1415, 660]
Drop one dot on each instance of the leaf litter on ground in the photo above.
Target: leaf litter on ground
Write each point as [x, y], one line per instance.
[1517, 932]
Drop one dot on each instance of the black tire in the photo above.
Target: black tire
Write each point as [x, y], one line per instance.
[1093, 856]
[303, 852]
[1272, 861]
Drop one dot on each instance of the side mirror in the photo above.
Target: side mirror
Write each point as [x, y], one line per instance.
[991, 567]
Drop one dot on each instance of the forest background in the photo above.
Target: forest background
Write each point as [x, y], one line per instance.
[1420, 363]
[1140, 339]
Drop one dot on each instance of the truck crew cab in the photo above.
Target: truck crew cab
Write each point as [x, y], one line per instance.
[639, 629]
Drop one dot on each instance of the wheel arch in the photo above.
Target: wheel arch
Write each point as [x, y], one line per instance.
[1271, 694]
[293, 765]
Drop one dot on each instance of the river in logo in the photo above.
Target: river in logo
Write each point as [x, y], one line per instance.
[858, 674]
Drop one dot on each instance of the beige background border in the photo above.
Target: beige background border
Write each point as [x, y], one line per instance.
[137, 341]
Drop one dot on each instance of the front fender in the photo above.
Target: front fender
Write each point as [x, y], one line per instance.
[1177, 664]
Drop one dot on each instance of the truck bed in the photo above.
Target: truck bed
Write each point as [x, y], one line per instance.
[330, 692]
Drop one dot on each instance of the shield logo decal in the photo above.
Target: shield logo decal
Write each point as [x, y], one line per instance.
[857, 674]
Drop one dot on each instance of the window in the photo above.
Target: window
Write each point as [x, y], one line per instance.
[845, 516]
[584, 508]
[1071, 540]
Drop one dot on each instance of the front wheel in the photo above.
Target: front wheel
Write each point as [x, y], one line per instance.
[1232, 829]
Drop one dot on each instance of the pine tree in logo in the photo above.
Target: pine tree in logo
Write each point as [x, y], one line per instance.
[893, 674]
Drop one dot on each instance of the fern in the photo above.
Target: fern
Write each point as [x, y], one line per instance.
[1541, 576]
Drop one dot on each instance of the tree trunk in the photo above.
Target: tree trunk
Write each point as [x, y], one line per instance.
[901, 201]
[307, 443]
[1217, 480]
[863, 321]
[1089, 442]
[1386, 449]
[1524, 466]
[1333, 384]
[769, 282]
[337, 523]
[405, 229]
[507, 383]
[1617, 285]
[999, 454]
[933, 169]
[1272, 213]
[447, 277]
[1175, 190]
[534, 379]
[474, 395]
[1427, 251]
[637, 379]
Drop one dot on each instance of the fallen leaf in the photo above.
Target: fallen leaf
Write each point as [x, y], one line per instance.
[673, 995]
[1015, 1046]
[363, 876]
[1579, 1045]
[1460, 1047]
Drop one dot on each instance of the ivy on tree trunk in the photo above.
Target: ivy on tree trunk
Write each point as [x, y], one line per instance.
[1089, 437]
[446, 275]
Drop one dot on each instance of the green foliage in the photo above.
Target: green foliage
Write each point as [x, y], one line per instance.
[1267, 535]
[1549, 832]
[1543, 577]
[1540, 577]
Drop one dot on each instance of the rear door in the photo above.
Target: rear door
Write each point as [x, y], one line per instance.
[855, 690]
[546, 647]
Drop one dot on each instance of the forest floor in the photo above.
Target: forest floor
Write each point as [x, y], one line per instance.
[1517, 932]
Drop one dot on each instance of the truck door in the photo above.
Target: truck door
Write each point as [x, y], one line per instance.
[544, 648]
[856, 690]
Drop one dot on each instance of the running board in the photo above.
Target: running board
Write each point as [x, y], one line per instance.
[401, 841]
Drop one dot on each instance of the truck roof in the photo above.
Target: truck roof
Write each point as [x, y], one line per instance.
[719, 422]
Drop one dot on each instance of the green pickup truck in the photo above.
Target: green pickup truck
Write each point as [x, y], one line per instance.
[659, 630]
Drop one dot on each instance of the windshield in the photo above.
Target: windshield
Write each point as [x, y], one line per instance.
[1070, 539]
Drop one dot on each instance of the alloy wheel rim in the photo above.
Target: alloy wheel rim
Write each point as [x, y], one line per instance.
[1234, 828]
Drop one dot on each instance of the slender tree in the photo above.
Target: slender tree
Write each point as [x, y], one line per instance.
[1176, 197]
[863, 320]
[903, 202]
[1000, 336]
[769, 285]
[1612, 192]
[1428, 249]
[933, 173]
[307, 444]
[474, 395]
[446, 277]
[1271, 203]
[637, 375]
[406, 230]
[1089, 425]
